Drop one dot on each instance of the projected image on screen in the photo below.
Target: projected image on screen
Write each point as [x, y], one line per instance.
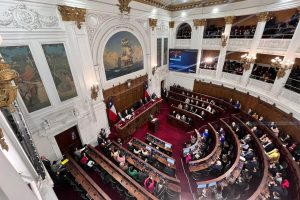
[183, 60]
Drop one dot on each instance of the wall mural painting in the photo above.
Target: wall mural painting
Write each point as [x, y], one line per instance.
[123, 54]
[60, 69]
[31, 87]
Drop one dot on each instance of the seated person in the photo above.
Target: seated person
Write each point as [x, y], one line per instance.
[115, 153]
[237, 105]
[180, 106]
[137, 151]
[187, 100]
[186, 107]
[132, 172]
[174, 113]
[103, 133]
[130, 147]
[188, 157]
[208, 108]
[183, 118]
[178, 116]
[168, 170]
[132, 111]
[84, 160]
[274, 155]
[124, 166]
[205, 134]
[142, 176]
[153, 96]
[77, 155]
[121, 158]
[149, 184]
[250, 112]
[141, 102]
[160, 189]
[145, 100]
[127, 115]
[145, 153]
[217, 167]
[120, 116]
[119, 141]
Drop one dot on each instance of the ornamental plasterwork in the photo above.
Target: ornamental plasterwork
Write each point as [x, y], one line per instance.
[163, 28]
[20, 16]
[93, 22]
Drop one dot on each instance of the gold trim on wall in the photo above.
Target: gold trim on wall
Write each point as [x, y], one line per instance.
[229, 19]
[72, 14]
[262, 17]
[171, 24]
[199, 22]
[124, 6]
[152, 23]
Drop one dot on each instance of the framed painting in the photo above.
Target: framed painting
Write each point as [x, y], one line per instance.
[30, 85]
[60, 70]
[123, 54]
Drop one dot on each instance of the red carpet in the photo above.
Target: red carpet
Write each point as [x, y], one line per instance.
[176, 137]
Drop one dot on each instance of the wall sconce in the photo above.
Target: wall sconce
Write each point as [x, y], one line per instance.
[124, 6]
[247, 60]
[281, 66]
[8, 91]
[94, 92]
[224, 39]
[154, 70]
[152, 23]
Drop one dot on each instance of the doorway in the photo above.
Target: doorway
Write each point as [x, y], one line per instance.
[162, 86]
[68, 140]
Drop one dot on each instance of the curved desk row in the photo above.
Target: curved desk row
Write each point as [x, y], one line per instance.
[159, 156]
[82, 178]
[211, 158]
[172, 183]
[165, 146]
[119, 175]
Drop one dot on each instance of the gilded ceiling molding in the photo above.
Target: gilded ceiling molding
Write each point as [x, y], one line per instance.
[229, 19]
[199, 22]
[152, 23]
[262, 17]
[72, 14]
[171, 24]
[3, 144]
[124, 6]
[184, 6]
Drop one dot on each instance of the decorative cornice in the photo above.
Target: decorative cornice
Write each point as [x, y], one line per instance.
[199, 22]
[3, 144]
[152, 23]
[229, 19]
[184, 6]
[171, 24]
[262, 17]
[72, 14]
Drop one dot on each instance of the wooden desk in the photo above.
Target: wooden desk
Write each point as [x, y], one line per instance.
[82, 178]
[179, 123]
[172, 183]
[127, 128]
[196, 118]
[159, 156]
[220, 102]
[120, 176]
[158, 142]
[234, 171]
[262, 188]
[192, 147]
[176, 102]
[211, 158]
[285, 155]
[182, 98]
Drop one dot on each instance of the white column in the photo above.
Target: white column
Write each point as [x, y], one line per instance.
[198, 39]
[222, 55]
[260, 27]
[172, 34]
[11, 184]
[152, 58]
[289, 56]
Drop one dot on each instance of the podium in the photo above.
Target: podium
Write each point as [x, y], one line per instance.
[153, 125]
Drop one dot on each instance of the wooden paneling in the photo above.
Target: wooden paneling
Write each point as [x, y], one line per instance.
[124, 96]
[245, 20]
[218, 22]
[265, 58]
[209, 53]
[232, 55]
[286, 122]
[283, 15]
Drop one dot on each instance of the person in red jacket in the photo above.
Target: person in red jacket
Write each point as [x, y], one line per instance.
[84, 160]
[149, 184]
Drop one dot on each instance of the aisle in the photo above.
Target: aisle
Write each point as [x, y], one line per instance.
[176, 137]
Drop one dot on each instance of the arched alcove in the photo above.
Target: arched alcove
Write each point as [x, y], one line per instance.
[184, 31]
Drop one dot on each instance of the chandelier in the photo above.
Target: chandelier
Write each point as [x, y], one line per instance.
[247, 60]
[8, 91]
[281, 66]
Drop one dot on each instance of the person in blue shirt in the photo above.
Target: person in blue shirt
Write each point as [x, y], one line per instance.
[222, 139]
[237, 105]
[205, 134]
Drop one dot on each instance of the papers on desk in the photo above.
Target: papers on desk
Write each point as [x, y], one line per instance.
[154, 119]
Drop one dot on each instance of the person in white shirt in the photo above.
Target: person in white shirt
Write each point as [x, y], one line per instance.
[180, 106]
[208, 108]
[187, 100]
[177, 116]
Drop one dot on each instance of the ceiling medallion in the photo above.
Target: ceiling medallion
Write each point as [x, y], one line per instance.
[72, 14]
[124, 6]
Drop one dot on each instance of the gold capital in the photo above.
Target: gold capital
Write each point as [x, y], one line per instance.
[124, 6]
[72, 14]
[229, 19]
[262, 17]
[152, 23]
[199, 22]
[171, 24]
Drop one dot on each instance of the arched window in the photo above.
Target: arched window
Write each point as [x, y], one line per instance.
[184, 31]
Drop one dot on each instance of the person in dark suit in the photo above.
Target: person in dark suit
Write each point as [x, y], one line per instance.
[141, 102]
[120, 116]
[141, 176]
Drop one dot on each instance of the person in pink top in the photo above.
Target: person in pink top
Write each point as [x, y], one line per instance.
[188, 157]
[121, 158]
[149, 184]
